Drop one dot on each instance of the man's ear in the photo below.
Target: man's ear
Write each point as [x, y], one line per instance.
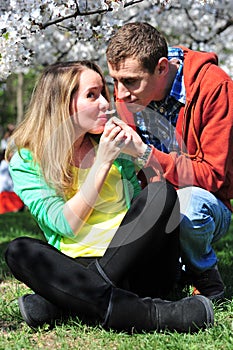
[162, 66]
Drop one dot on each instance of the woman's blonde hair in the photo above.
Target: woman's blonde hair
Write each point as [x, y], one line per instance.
[47, 130]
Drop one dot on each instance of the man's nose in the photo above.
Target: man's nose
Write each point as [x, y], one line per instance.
[122, 91]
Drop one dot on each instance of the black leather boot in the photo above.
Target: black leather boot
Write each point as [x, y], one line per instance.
[186, 315]
[129, 312]
[37, 311]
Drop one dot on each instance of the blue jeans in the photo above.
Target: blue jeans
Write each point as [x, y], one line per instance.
[204, 220]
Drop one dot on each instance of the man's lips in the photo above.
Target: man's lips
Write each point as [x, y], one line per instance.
[134, 106]
[132, 102]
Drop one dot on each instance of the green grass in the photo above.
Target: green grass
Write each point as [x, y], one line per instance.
[15, 334]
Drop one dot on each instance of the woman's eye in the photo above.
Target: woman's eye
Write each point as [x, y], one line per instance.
[91, 95]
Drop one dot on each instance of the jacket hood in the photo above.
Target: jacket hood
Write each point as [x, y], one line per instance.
[196, 64]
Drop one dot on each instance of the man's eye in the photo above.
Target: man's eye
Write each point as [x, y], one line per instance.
[129, 81]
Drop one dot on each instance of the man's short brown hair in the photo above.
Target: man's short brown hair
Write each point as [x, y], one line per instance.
[137, 40]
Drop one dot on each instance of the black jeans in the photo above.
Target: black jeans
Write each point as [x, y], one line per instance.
[142, 257]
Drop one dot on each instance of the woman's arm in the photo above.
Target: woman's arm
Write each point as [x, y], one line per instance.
[41, 199]
[50, 210]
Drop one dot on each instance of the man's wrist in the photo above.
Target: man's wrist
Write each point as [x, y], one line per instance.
[142, 160]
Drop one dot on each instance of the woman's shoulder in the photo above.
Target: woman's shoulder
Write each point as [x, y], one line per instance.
[23, 154]
[22, 158]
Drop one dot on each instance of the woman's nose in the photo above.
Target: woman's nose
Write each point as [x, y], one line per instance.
[104, 104]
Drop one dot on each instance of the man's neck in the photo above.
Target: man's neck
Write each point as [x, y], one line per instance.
[173, 68]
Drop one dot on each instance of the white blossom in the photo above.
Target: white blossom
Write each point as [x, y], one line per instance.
[35, 32]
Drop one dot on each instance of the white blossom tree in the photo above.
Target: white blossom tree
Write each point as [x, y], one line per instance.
[40, 32]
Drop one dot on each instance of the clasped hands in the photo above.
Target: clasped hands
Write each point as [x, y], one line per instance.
[124, 137]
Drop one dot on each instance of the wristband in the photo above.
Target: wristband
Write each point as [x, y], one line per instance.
[141, 161]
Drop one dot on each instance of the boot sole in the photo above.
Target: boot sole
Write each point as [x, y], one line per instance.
[30, 322]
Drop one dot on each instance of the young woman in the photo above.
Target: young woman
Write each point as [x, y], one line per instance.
[112, 248]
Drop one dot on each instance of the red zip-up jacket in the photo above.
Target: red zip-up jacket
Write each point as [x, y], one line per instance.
[204, 130]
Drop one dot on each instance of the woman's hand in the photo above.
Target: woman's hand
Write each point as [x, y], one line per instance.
[113, 141]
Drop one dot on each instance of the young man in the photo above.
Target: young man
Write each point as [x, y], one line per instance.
[181, 104]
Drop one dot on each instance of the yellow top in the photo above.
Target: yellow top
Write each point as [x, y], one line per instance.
[107, 215]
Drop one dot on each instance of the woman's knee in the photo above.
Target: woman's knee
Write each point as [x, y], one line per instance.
[161, 189]
[16, 246]
[18, 250]
[166, 198]
[163, 204]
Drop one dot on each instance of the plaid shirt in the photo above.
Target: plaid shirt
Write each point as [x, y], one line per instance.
[156, 124]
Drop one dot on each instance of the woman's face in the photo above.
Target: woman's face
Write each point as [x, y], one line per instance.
[89, 106]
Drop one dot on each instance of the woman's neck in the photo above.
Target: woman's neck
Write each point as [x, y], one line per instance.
[84, 152]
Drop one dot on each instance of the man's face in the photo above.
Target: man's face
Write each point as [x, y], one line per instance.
[135, 85]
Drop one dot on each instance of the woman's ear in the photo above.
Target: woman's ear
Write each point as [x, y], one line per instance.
[73, 108]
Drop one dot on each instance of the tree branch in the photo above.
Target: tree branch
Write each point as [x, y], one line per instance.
[79, 13]
[210, 38]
